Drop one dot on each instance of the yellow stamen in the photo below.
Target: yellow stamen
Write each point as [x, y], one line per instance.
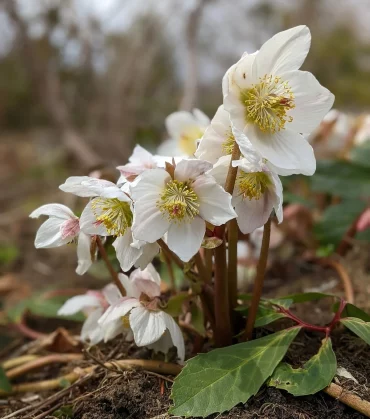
[228, 144]
[113, 213]
[267, 103]
[178, 201]
[253, 185]
[188, 139]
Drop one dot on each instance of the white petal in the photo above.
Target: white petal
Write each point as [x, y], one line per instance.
[201, 117]
[88, 222]
[91, 330]
[176, 335]
[149, 223]
[141, 156]
[190, 169]
[278, 199]
[147, 326]
[126, 254]
[129, 286]
[312, 101]
[285, 51]
[149, 182]
[179, 122]
[171, 147]
[113, 329]
[77, 303]
[149, 251]
[111, 293]
[53, 210]
[49, 234]
[83, 253]
[118, 309]
[285, 149]
[220, 169]
[253, 213]
[85, 186]
[186, 238]
[214, 203]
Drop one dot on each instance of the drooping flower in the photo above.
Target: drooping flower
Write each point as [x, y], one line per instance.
[109, 214]
[218, 139]
[93, 304]
[63, 227]
[184, 129]
[149, 324]
[273, 103]
[257, 190]
[179, 206]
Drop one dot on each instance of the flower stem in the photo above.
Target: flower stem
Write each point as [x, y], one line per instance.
[258, 283]
[111, 270]
[200, 266]
[170, 254]
[231, 174]
[223, 332]
[171, 274]
[232, 262]
[208, 262]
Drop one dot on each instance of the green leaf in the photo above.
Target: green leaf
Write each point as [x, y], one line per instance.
[217, 381]
[174, 304]
[358, 327]
[341, 178]
[351, 310]
[290, 198]
[4, 382]
[337, 219]
[265, 315]
[64, 412]
[315, 375]
[361, 154]
[306, 296]
[197, 319]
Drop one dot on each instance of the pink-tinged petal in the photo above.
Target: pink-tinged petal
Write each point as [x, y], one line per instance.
[111, 294]
[113, 329]
[70, 228]
[149, 274]
[190, 169]
[176, 335]
[125, 253]
[83, 253]
[253, 213]
[312, 101]
[49, 234]
[91, 331]
[88, 222]
[286, 51]
[363, 222]
[119, 309]
[149, 182]
[78, 303]
[149, 223]
[150, 288]
[150, 250]
[147, 326]
[285, 149]
[186, 238]
[54, 210]
[129, 286]
[214, 203]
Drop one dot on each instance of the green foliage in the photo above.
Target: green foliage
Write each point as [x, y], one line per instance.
[217, 381]
[361, 154]
[337, 219]
[8, 254]
[197, 319]
[315, 375]
[4, 382]
[64, 412]
[265, 315]
[358, 327]
[306, 296]
[174, 304]
[351, 310]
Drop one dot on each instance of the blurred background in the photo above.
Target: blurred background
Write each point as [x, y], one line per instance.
[83, 81]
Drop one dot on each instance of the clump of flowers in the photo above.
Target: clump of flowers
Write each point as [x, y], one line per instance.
[220, 181]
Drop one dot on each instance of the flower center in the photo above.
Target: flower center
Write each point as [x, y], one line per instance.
[253, 185]
[70, 228]
[116, 215]
[267, 103]
[178, 201]
[188, 139]
[228, 144]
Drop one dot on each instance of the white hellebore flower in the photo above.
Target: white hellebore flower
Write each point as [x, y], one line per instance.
[109, 214]
[218, 139]
[179, 206]
[184, 129]
[148, 323]
[256, 193]
[63, 227]
[273, 103]
[93, 304]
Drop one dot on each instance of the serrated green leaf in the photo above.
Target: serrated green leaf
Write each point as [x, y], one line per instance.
[217, 381]
[351, 310]
[315, 375]
[4, 382]
[337, 219]
[358, 327]
[341, 178]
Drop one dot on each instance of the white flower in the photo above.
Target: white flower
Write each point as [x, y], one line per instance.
[109, 214]
[256, 193]
[184, 129]
[179, 206]
[93, 304]
[273, 103]
[218, 139]
[63, 227]
[147, 322]
[140, 161]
